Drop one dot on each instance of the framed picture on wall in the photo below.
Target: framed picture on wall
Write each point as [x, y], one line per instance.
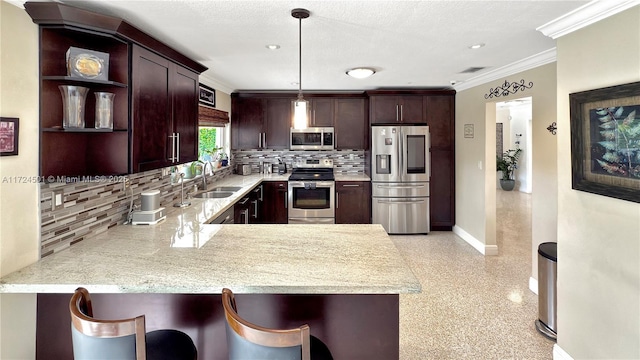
[207, 96]
[9, 136]
[605, 141]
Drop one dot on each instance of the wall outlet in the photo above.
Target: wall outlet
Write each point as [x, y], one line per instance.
[57, 199]
[125, 183]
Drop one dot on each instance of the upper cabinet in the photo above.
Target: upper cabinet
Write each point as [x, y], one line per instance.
[396, 109]
[260, 122]
[165, 104]
[79, 149]
[106, 52]
[351, 124]
[321, 112]
[263, 121]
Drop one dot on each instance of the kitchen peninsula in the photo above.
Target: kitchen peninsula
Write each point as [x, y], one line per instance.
[343, 280]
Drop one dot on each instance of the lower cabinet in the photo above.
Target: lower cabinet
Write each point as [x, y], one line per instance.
[353, 202]
[274, 206]
[241, 210]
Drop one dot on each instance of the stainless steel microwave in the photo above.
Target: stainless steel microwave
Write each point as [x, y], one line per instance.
[315, 138]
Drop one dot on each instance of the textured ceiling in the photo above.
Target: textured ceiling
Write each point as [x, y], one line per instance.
[409, 43]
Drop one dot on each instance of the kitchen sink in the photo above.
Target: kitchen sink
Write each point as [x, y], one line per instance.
[227, 188]
[213, 194]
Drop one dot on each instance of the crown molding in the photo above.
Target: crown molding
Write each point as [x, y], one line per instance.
[534, 61]
[16, 3]
[584, 16]
[215, 83]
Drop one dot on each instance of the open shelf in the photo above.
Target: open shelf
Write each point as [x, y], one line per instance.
[81, 130]
[84, 81]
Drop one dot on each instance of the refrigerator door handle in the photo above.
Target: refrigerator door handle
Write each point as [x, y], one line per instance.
[400, 202]
[400, 186]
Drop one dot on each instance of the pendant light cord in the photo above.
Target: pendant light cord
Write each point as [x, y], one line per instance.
[299, 58]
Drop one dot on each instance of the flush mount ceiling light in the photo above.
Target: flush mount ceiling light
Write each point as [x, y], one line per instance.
[300, 106]
[476, 46]
[273, 46]
[361, 73]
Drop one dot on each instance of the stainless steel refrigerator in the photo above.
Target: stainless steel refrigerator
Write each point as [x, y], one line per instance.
[400, 175]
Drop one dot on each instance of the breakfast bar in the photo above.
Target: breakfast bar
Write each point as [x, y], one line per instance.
[343, 280]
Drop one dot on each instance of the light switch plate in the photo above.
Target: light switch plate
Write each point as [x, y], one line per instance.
[57, 199]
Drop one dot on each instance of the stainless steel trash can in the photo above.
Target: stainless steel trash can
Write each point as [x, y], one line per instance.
[547, 298]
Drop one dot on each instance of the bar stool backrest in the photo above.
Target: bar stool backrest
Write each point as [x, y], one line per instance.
[249, 341]
[104, 339]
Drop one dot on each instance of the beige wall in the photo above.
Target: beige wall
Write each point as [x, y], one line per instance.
[476, 188]
[599, 237]
[19, 222]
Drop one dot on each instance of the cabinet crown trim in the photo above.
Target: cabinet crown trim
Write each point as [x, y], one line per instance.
[53, 13]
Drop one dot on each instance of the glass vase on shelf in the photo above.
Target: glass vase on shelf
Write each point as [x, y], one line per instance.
[73, 105]
[104, 110]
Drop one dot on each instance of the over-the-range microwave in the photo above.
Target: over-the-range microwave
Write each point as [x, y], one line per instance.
[314, 138]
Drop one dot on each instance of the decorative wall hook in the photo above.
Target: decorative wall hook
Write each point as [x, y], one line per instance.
[508, 88]
[552, 128]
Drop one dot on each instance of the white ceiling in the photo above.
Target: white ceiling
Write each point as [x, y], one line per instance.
[409, 43]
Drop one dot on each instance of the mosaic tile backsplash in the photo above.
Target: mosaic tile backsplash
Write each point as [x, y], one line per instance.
[90, 208]
[344, 161]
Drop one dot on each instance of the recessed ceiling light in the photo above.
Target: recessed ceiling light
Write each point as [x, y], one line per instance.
[273, 46]
[360, 73]
[476, 46]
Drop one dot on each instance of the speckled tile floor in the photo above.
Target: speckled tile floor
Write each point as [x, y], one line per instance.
[472, 306]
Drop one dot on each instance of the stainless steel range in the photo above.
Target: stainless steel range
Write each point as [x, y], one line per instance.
[312, 192]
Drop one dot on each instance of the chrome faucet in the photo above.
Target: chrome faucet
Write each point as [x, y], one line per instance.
[204, 174]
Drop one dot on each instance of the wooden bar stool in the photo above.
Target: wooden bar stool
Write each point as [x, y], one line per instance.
[249, 341]
[123, 339]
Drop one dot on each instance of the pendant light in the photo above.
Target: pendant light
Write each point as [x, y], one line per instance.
[300, 106]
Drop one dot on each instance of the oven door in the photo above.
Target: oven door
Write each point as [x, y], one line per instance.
[311, 200]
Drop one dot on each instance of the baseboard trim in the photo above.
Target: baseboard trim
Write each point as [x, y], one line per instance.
[475, 243]
[533, 285]
[559, 354]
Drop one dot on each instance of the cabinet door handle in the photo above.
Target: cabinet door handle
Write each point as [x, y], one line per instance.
[178, 147]
[351, 185]
[337, 200]
[397, 112]
[173, 147]
[244, 213]
[401, 116]
[255, 209]
[264, 140]
[259, 140]
[286, 200]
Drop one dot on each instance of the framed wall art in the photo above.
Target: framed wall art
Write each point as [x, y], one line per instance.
[9, 136]
[207, 96]
[605, 141]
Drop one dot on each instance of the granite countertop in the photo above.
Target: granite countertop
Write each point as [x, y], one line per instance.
[182, 254]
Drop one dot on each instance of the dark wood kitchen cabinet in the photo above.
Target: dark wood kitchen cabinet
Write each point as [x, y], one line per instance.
[260, 122]
[246, 123]
[440, 119]
[322, 113]
[164, 112]
[274, 206]
[241, 210]
[353, 202]
[82, 151]
[388, 109]
[351, 124]
[162, 83]
[277, 123]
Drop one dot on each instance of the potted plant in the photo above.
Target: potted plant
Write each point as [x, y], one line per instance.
[508, 163]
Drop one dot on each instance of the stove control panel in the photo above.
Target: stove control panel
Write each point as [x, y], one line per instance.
[314, 163]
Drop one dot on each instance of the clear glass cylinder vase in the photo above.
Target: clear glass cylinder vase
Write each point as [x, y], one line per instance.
[104, 110]
[73, 102]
